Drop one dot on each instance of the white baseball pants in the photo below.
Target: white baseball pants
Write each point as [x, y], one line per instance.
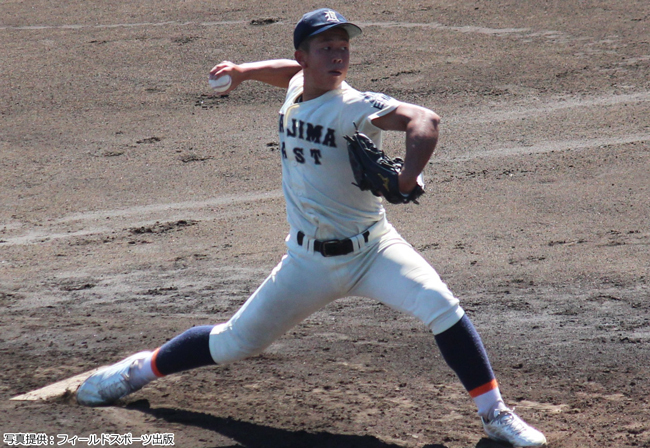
[386, 268]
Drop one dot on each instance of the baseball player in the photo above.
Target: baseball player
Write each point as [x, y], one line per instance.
[340, 243]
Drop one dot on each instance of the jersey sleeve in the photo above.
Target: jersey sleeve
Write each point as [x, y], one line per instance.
[373, 105]
[295, 86]
[381, 103]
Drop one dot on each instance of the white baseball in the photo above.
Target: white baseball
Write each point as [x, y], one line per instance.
[221, 84]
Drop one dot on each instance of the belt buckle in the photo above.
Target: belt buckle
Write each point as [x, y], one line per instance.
[329, 248]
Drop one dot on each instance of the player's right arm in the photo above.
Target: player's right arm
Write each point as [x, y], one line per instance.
[276, 72]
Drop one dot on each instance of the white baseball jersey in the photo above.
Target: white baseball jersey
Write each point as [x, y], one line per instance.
[323, 204]
[316, 174]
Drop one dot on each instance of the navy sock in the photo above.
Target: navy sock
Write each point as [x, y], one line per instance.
[463, 350]
[188, 350]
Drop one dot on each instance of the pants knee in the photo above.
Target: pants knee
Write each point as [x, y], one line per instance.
[226, 346]
[446, 319]
[438, 310]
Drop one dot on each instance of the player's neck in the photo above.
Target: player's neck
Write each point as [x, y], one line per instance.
[312, 90]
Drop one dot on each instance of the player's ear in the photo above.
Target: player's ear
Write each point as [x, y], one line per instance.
[301, 58]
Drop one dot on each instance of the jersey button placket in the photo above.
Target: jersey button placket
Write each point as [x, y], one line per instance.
[298, 178]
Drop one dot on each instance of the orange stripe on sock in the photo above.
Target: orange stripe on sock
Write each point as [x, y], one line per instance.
[487, 387]
[153, 364]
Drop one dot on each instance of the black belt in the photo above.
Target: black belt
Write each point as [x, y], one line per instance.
[332, 248]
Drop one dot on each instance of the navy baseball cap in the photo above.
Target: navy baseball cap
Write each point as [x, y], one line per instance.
[321, 20]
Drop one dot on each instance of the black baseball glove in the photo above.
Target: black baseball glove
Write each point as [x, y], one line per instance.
[375, 171]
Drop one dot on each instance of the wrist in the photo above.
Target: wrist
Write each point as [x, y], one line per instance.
[408, 183]
[245, 72]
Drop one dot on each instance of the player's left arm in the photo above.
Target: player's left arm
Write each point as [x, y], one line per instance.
[421, 127]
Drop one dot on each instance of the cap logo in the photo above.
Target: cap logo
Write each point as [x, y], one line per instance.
[330, 16]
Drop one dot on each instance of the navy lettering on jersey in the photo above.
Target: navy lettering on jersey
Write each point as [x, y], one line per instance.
[299, 153]
[378, 100]
[330, 139]
[316, 155]
[308, 131]
[300, 128]
[284, 151]
[314, 133]
[291, 132]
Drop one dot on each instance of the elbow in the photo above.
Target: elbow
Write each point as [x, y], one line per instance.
[433, 123]
[432, 118]
[425, 118]
[428, 122]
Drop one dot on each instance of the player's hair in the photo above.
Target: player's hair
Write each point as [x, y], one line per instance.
[305, 44]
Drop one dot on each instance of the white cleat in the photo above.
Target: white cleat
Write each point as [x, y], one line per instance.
[111, 383]
[506, 426]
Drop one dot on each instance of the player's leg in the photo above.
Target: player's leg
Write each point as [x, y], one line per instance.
[296, 288]
[188, 350]
[402, 279]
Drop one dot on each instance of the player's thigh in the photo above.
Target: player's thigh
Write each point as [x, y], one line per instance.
[295, 289]
[402, 279]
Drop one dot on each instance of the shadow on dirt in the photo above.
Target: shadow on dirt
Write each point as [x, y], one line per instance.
[251, 435]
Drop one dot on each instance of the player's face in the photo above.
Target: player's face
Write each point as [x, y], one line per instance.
[328, 59]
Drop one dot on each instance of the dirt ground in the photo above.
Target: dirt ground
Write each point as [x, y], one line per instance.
[134, 204]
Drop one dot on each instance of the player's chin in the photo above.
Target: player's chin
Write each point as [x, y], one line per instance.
[335, 78]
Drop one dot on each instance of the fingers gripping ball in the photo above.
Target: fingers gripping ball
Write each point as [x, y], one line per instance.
[375, 171]
[220, 84]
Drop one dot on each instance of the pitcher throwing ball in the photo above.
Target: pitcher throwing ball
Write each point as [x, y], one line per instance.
[339, 237]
